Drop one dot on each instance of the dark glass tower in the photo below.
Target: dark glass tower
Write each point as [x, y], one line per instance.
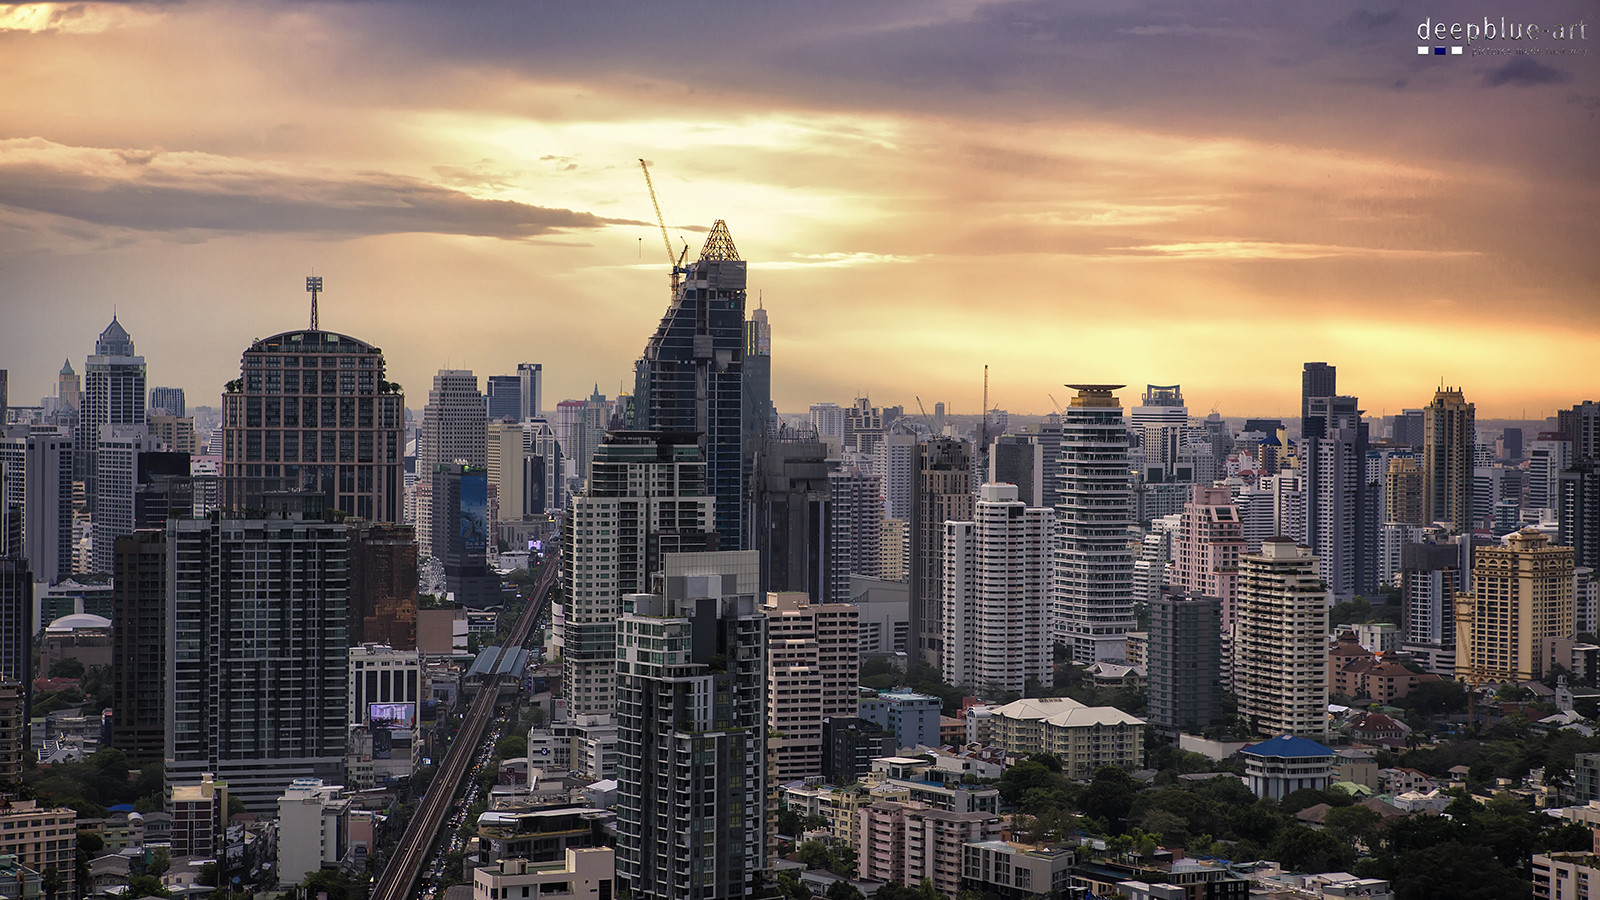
[691, 376]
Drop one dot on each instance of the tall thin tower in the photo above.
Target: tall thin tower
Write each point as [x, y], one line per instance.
[1449, 436]
[1093, 605]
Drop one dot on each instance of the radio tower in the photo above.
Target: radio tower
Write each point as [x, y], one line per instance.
[314, 285]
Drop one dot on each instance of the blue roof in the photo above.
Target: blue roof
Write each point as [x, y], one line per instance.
[121, 807]
[1286, 746]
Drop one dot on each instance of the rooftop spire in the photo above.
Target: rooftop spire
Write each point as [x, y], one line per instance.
[719, 244]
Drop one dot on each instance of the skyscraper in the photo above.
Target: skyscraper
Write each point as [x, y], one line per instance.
[1280, 667]
[791, 502]
[259, 693]
[941, 491]
[69, 392]
[1408, 428]
[502, 397]
[1578, 511]
[383, 585]
[1548, 456]
[1430, 578]
[1341, 526]
[1207, 550]
[1402, 501]
[460, 521]
[1581, 426]
[1185, 662]
[169, 400]
[531, 395]
[454, 431]
[1093, 603]
[691, 735]
[691, 375]
[813, 665]
[114, 394]
[16, 626]
[36, 468]
[854, 524]
[312, 411]
[117, 477]
[139, 644]
[647, 498]
[1317, 379]
[1522, 593]
[1448, 436]
[996, 594]
[759, 416]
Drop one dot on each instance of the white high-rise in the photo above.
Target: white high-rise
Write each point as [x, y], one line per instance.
[1093, 602]
[997, 592]
[855, 523]
[117, 475]
[454, 429]
[113, 394]
[813, 664]
[894, 465]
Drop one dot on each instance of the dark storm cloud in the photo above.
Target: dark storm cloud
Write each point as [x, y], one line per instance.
[186, 192]
[1525, 71]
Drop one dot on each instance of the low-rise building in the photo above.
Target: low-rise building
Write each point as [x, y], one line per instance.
[907, 842]
[311, 829]
[1286, 764]
[538, 836]
[199, 817]
[1014, 871]
[1358, 766]
[584, 873]
[1084, 738]
[40, 839]
[849, 745]
[1566, 876]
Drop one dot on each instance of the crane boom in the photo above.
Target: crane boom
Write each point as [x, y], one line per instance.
[672, 261]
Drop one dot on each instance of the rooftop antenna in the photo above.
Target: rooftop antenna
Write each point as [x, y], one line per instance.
[314, 286]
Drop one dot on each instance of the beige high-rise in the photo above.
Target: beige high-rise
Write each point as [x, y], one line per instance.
[1449, 434]
[1281, 643]
[813, 661]
[1522, 595]
[1402, 492]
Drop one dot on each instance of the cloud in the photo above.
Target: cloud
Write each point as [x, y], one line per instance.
[188, 192]
[1274, 250]
[836, 260]
[71, 18]
[1525, 71]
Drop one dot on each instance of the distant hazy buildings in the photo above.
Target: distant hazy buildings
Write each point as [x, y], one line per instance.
[114, 394]
[1093, 605]
[168, 401]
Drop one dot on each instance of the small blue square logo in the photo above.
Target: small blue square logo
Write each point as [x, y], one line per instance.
[1440, 51]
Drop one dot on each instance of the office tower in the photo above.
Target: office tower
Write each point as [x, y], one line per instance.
[1340, 527]
[543, 454]
[647, 498]
[941, 491]
[453, 433]
[510, 487]
[1093, 604]
[177, 432]
[1409, 428]
[1159, 425]
[791, 502]
[691, 735]
[572, 432]
[117, 476]
[260, 607]
[1548, 457]
[1280, 669]
[14, 731]
[1493, 486]
[855, 522]
[1403, 491]
[828, 420]
[1430, 577]
[996, 594]
[460, 521]
[1020, 460]
[502, 398]
[691, 375]
[760, 418]
[1448, 436]
[16, 627]
[139, 644]
[894, 465]
[530, 397]
[36, 468]
[1207, 549]
[312, 411]
[1511, 440]
[1581, 426]
[1317, 379]
[114, 394]
[168, 401]
[1578, 511]
[863, 426]
[383, 585]
[69, 393]
[1521, 596]
[813, 665]
[1185, 668]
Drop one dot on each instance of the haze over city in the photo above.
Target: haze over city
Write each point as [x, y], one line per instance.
[1134, 193]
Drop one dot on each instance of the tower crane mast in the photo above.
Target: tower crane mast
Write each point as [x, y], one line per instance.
[676, 263]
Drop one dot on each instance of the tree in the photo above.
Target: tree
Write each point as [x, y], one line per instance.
[512, 746]
[335, 883]
[1455, 871]
[148, 886]
[1109, 796]
[1298, 847]
[1567, 837]
[67, 668]
[1351, 823]
[52, 882]
[207, 875]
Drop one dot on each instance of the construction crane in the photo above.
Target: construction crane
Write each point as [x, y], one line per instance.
[1059, 408]
[675, 262]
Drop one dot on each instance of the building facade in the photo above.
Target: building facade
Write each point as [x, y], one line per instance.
[1449, 435]
[1185, 662]
[454, 432]
[813, 664]
[996, 593]
[1093, 602]
[113, 394]
[139, 644]
[1280, 664]
[941, 491]
[1522, 595]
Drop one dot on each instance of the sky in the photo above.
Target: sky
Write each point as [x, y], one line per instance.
[1202, 193]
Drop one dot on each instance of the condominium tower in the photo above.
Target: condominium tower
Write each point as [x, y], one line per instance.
[1280, 671]
[941, 491]
[1449, 436]
[813, 665]
[1522, 594]
[454, 431]
[996, 593]
[1093, 604]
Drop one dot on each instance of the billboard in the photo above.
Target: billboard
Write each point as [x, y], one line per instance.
[397, 714]
[473, 523]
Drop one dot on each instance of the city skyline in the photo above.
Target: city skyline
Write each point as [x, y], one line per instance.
[1124, 194]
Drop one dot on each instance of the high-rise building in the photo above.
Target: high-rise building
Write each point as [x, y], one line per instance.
[691, 375]
[5, 393]
[855, 521]
[1548, 457]
[894, 465]
[530, 398]
[828, 420]
[1448, 438]
[691, 735]
[1522, 595]
[1511, 441]
[260, 607]
[1581, 426]
[117, 476]
[647, 498]
[595, 416]
[36, 468]
[1409, 428]
[1185, 662]
[1341, 523]
[114, 394]
[790, 512]
[863, 426]
[312, 411]
[813, 666]
[760, 418]
[139, 644]
[460, 500]
[1207, 549]
[177, 432]
[941, 491]
[1317, 379]
[1430, 578]
[1027, 461]
[1093, 604]
[168, 401]
[16, 627]
[1402, 500]
[1280, 665]
[69, 392]
[454, 432]
[894, 551]
[13, 730]
[383, 585]
[502, 398]
[516, 484]
[996, 593]
[1578, 511]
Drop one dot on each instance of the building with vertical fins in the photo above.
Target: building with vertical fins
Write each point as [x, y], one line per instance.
[114, 394]
[692, 732]
[1093, 603]
[1522, 595]
[1449, 436]
[997, 593]
[647, 497]
[941, 491]
[691, 375]
[312, 411]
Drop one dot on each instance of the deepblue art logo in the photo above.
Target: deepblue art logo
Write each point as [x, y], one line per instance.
[1456, 38]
